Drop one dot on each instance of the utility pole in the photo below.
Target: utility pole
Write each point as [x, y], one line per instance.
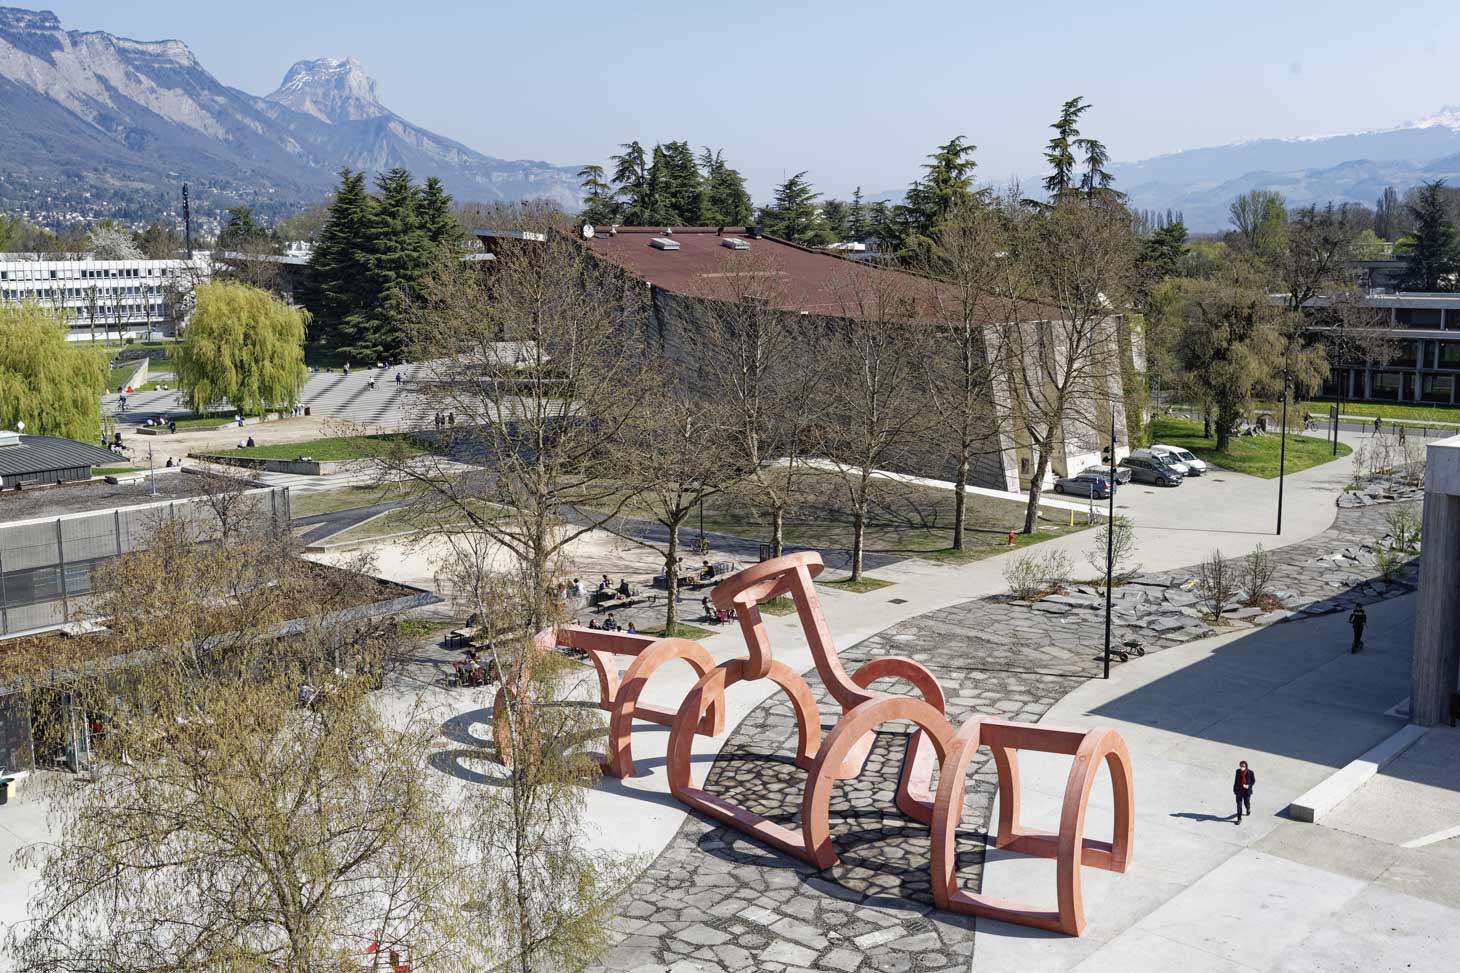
[1110, 543]
[187, 222]
[151, 470]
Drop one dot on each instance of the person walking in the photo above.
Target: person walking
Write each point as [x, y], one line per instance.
[1242, 786]
[1358, 618]
[1377, 425]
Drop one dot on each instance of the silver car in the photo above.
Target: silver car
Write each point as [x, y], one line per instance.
[1084, 485]
[1185, 457]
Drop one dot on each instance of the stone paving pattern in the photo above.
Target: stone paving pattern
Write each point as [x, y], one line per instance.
[715, 900]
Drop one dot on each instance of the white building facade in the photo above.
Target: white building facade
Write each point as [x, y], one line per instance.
[108, 299]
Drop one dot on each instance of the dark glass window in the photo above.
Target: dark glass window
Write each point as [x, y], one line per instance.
[1386, 385]
[1417, 317]
[1438, 388]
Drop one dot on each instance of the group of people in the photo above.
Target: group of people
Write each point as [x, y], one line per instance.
[442, 421]
[610, 624]
[156, 422]
[246, 443]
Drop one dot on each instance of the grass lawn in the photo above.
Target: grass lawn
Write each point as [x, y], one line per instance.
[907, 520]
[860, 586]
[309, 503]
[400, 521]
[331, 449]
[681, 631]
[204, 422]
[1431, 414]
[780, 605]
[1254, 455]
[114, 470]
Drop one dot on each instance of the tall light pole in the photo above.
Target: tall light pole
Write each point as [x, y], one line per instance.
[1110, 542]
[1282, 451]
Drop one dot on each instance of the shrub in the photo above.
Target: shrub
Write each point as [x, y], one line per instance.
[1258, 570]
[1403, 520]
[1057, 569]
[1390, 560]
[1025, 576]
[1217, 582]
[1124, 548]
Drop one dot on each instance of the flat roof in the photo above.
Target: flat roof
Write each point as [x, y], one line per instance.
[88, 496]
[808, 281]
[46, 454]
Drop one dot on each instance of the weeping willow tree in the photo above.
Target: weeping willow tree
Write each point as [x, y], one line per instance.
[51, 385]
[244, 345]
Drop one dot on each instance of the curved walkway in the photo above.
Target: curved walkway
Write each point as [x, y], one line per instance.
[714, 900]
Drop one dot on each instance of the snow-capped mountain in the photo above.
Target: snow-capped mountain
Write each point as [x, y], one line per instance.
[89, 120]
[1306, 169]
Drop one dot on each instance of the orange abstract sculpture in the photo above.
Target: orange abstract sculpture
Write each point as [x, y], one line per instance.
[935, 745]
[793, 574]
[1070, 848]
[620, 696]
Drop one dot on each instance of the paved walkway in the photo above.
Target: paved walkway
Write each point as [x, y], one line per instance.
[992, 658]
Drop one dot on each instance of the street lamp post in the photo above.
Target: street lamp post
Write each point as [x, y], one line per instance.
[1110, 543]
[1282, 453]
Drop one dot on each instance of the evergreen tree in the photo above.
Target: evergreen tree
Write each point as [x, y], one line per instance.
[947, 186]
[1060, 151]
[725, 201]
[1095, 181]
[1431, 254]
[436, 220]
[599, 205]
[631, 184]
[1161, 257]
[837, 217]
[337, 288]
[397, 262]
[794, 215]
[857, 224]
[678, 184]
[242, 234]
[157, 242]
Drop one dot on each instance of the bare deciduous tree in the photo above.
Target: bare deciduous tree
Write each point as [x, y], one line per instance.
[1218, 583]
[1258, 571]
[1060, 353]
[970, 249]
[876, 350]
[759, 362]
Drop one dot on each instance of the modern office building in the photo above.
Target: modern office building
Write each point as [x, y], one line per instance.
[1419, 358]
[111, 299]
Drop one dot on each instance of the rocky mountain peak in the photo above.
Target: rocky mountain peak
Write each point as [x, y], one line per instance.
[15, 18]
[331, 89]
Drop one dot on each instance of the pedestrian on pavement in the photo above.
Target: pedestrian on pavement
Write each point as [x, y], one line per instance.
[124, 403]
[172, 426]
[1377, 425]
[397, 378]
[451, 418]
[1358, 618]
[1401, 433]
[1242, 786]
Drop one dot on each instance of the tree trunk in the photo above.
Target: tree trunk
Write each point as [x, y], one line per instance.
[1224, 428]
[1036, 486]
[778, 531]
[1206, 428]
[859, 528]
[960, 501]
[671, 581]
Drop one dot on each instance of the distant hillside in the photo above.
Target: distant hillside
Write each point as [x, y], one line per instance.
[94, 124]
[1351, 168]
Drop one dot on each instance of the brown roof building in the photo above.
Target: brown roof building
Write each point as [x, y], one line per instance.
[686, 265]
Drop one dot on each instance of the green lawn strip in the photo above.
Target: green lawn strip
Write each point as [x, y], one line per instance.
[400, 521]
[862, 585]
[1432, 414]
[780, 605]
[948, 555]
[332, 449]
[310, 503]
[203, 422]
[114, 470]
[681, 631]
[1253, 455]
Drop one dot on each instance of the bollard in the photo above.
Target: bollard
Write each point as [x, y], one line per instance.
[1072, 516]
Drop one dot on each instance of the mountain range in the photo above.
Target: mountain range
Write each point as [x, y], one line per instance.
[92, 124]
[1349, 168]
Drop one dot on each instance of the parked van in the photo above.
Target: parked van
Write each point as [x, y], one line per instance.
[1161, 459]
[1183, 456]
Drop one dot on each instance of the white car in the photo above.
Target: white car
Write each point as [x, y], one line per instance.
[1184, 456]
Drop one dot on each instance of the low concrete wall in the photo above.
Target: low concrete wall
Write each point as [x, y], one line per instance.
[297, 467]
[139, 376]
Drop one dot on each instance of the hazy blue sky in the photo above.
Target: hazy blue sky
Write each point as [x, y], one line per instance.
[856, 92]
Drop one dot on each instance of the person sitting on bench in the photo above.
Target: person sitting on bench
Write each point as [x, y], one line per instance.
[623, 588]
[707, 572]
